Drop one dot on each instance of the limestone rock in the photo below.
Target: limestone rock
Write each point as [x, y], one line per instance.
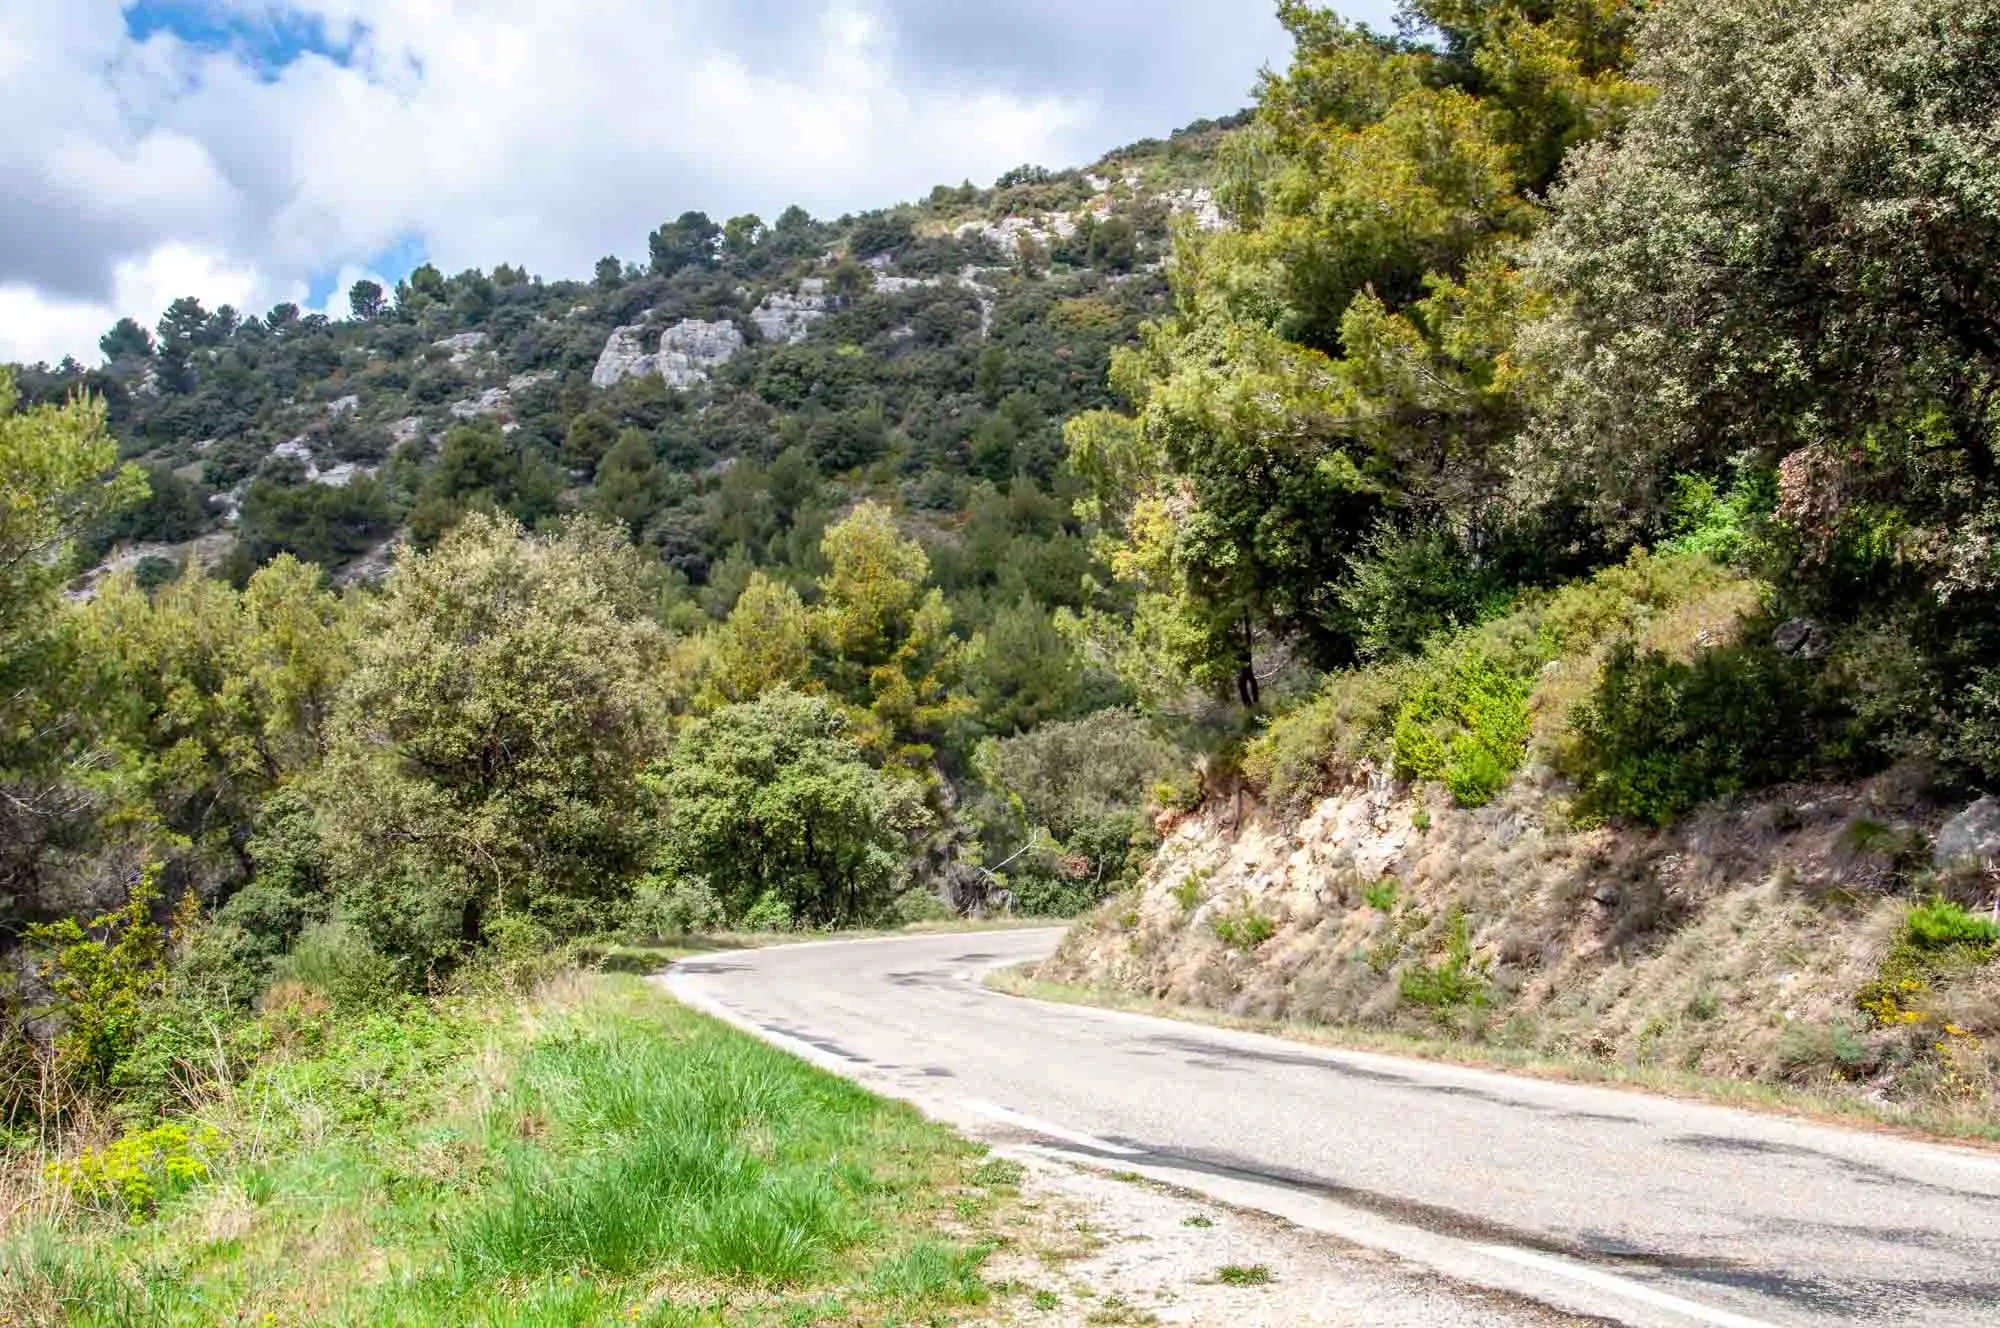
[623, 357]
[687, 351]
[783, 316]
[406, 430]
[294, 449]
[493, 401]
[1972, 834]
[690, 348]
[462, 347]
[343, 405]
[1199, 204]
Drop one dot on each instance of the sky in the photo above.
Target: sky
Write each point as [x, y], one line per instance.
[253, 151]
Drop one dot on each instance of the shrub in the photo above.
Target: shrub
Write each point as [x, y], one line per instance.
[1455, 981]
[1408, 586]
[100, 987]
[1659, 737]
[337, 960]
[664, 905]
[769, 913]
[1940, 924]
[776, 808]
[140, 1171]
[1466, 726]
[1381, 896]
[1317, 746]
[1244, 929]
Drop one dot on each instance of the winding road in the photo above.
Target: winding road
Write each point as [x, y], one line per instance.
[1631, 1208]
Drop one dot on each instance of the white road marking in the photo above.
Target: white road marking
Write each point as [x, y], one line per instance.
[1622, 1286]
[1006, 1115]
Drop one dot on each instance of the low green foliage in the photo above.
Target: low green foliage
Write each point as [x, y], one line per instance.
[139, 1171]
[1939, 924]
[456, 1163]
[1661, 736]
[1244, 928]
[1382, 895]
[1237, 1274]
[101, 975]
[1455, 981]
[1187, 893]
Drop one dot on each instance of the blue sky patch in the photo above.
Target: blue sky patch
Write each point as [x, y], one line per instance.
[266, 41]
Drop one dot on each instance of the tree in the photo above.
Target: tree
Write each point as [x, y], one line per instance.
[610, 273]
[689, 240]
[1780, 257]
[365, 300]
[765, 643]
[770, 801]
[484, 756]
[57, 482]
[740, 235]
[126, 340]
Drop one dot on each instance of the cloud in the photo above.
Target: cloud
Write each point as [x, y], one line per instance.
[35, 326]
[245, 145]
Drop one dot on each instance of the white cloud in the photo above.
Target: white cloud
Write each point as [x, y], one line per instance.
[538, 134]
[35, 327]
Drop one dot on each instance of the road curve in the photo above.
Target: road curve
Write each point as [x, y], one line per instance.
[1637, 1209]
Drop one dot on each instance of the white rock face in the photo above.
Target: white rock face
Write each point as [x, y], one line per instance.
[340, 476]
[342, 405]
[462, 347]
[687, 351]
[787, 317]
[294, 449]
[623, 357]
[521, 382]
[1199, 204]
[493, 401]
[406, 429]
[1007, 233]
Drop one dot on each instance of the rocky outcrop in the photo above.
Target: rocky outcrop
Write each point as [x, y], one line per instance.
[343, 405]
[462, 347]
[1722, 945]
[299, 451]
[687, 352]
[690, 348]
[785, 316]
[1971, 837]
[623, 357]
[406, 430]
[493, 401]
[1199, 204]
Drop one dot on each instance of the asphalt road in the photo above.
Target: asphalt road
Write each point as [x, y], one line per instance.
[1639, 1209]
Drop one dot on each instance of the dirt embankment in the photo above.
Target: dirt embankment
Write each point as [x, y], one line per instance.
[1741, 943]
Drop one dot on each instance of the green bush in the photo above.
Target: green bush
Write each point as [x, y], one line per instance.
[1659, 737]
[1940, 924]
[1408, 586]
[338, 961]
[140, 1171]
[1466, 726]
[1244, 929]
[1455, 981]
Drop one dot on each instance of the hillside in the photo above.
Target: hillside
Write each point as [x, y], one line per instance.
[915, 352]
[1499, 542]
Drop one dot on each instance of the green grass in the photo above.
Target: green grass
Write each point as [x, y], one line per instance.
[611, 1158]
[1237, 1274]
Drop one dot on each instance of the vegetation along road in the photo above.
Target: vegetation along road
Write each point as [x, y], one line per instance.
[1640, 1209]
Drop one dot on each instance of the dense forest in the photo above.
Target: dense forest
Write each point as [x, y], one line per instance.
[827, 573]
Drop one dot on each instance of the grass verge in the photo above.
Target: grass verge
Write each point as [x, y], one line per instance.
[601, 1155]
[1971, 1126]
